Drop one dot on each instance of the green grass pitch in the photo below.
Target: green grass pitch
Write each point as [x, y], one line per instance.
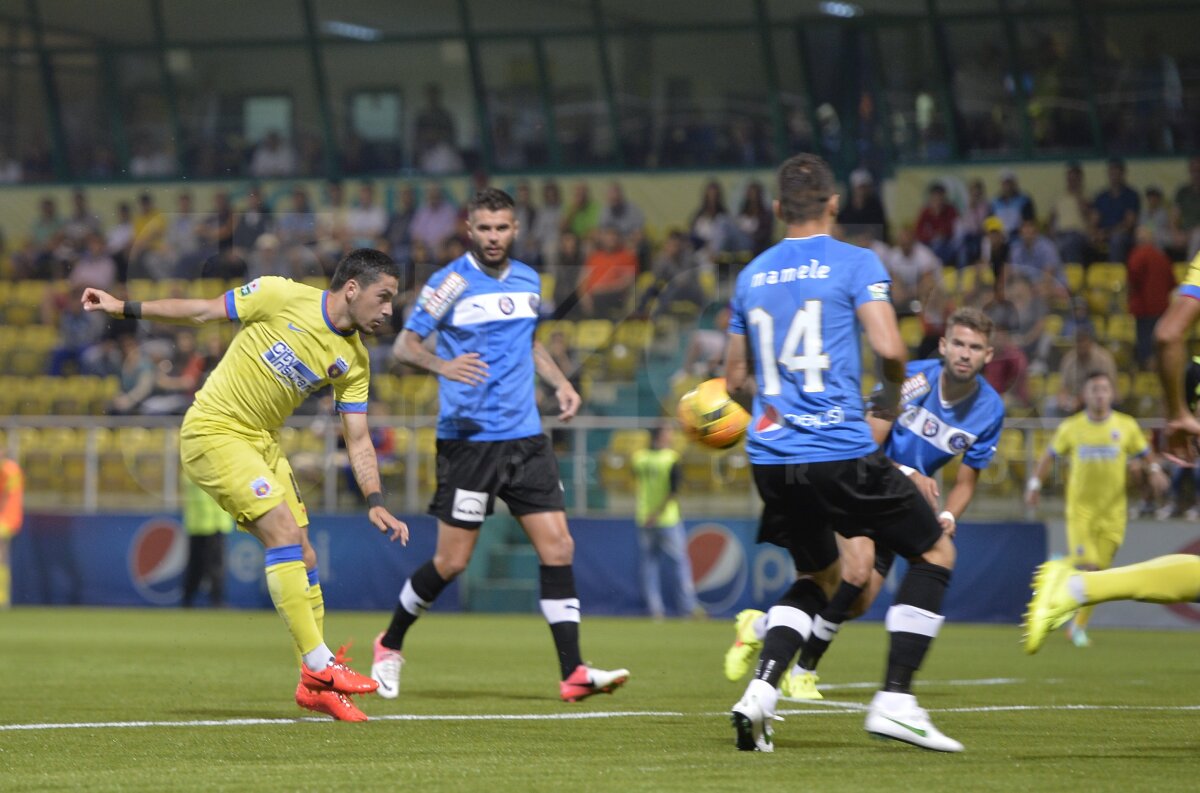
[1120, 716]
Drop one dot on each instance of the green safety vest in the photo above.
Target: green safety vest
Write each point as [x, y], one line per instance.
[652, 474]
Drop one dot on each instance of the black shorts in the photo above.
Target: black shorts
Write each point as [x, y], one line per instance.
[804, 504]
[470, 474]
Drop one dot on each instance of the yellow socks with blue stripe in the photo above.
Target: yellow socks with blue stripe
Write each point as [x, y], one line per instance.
[287, 581]
[316, 599]
[1166, 579]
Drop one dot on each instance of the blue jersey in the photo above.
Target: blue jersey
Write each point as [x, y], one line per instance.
[495, 317]
[929, 433]
[797, 305]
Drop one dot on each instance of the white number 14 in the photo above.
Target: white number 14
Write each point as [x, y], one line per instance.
[806, 328]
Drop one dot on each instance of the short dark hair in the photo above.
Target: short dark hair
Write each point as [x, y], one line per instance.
[364, 265]
[974, 319]
[491, 199]
[1093, 374]
[805, 186]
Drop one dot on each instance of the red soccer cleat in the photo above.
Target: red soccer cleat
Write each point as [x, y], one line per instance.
[337, 677]
[328, 702]
[585, 681]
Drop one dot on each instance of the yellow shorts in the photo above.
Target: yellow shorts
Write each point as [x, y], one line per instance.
[1093, 541]
[242, 469]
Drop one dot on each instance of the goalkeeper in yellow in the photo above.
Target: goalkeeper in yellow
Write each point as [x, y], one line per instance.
[295, 339]
[1059, 591]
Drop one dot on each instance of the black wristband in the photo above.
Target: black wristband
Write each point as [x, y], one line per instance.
[374, 500]
[133, 309]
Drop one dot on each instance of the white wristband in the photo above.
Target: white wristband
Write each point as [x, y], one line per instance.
[907, 470]
[1033, 485]
[948, 515]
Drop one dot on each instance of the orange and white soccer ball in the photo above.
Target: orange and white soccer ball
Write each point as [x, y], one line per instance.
[709, 415]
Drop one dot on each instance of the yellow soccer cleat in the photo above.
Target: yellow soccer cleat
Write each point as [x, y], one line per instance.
[1052, 605]
[800, 684]
[739, 658]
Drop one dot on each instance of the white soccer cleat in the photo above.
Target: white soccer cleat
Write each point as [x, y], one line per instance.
[899, 717]
[385, 669]
[752, 716]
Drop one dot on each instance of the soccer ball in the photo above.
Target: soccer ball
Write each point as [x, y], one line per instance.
[709, 415]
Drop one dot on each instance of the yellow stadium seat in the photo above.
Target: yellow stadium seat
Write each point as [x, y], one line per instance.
[967, 279]
[1054, 325]
[1106, 275]
[548, 285]
[551, 326]
[418, 394]
[1120, 327]
[636, 333]
[912, 331]
[593, 334]
[950, 278]
[1035, 384]
[1100, 323]
[1074, 274]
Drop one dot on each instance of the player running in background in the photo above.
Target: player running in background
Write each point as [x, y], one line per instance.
[1101, 445]
[948, 410]
[12, 515]
[294, 340]
[484, 308]
[794, 343]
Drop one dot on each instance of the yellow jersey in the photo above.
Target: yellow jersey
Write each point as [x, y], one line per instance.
[1098, 452]
[287, 349]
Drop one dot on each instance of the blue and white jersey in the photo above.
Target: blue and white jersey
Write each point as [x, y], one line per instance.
[930, 432]
[797, 305]
[495, 317]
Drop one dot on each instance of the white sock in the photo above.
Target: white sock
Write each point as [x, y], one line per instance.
[766, 693]
[760, 627]
[318, 658]
[1075, 588]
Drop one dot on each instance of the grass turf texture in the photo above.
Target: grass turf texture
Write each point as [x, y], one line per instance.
[99, 665]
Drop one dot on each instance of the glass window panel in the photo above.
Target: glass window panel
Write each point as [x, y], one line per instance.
[216, 20]
[984, 89]
[81, 99]
[514, 102]
[793, 94]
[581, 120]
[24, 133]
[428, 82]
[122, 21]
[1054, 72]
[144, 109]
[490, 16]
[212, 86]
[618, 13]
[826, 54]
[843, 9]
[368, 20]
[916, 122]
[968, 6]
[1148, 81]
[678, 109]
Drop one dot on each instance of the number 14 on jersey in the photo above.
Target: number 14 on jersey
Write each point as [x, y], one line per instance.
[805, 329]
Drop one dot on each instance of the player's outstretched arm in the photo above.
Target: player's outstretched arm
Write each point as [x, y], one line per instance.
[959, 497]
[467, 368]
[739, 371]
[878, 320]
[177, 311]
[1033, 488]
[365, 466]
[568, 398]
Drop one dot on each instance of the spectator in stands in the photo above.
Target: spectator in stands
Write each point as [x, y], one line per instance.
[366, 221]
[1151, 279]
[1033, 256]
[1115, 213]
[136, 378]
[82, 223]
[120, 238]
[176, 377]
[77, 330]
[150, 160]
[436, 220]
[547, 227]
[623, 215]
[331, 223]
[914, 268]
[676, 279]
[1029, 330]
[398, 233]
[995, 252]
[253, 222]
[568, 273]
[583, 215]
[705, 354]
[1007, 371]
[272, 157]
[1069, 219]
[148, 253]
[863, 215]
[1156, 218]
[435, 125]
[754, 226]
[268, 258]
[1085, 357]
[1186, 216]
[977, 210]
[937, 225]
[299, 225]
[10, 168]
[1012, 206]
[186, 239]
[609, 272]
[46, 235]
[95, 267]
[711, 225]
[527, 248]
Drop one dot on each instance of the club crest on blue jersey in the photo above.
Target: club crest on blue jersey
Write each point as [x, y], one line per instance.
[958, 442]
[337, 368]
[534, 302]
[930, 428]
[506, 305]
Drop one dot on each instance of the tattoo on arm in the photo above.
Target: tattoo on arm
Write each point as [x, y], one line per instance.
[366, 468]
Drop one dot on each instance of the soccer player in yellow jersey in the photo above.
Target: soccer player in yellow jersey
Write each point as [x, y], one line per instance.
[1100, 445]
[295, 339]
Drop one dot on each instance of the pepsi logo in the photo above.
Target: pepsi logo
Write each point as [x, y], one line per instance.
[157, 557]
[769, 425]
[719, 567]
